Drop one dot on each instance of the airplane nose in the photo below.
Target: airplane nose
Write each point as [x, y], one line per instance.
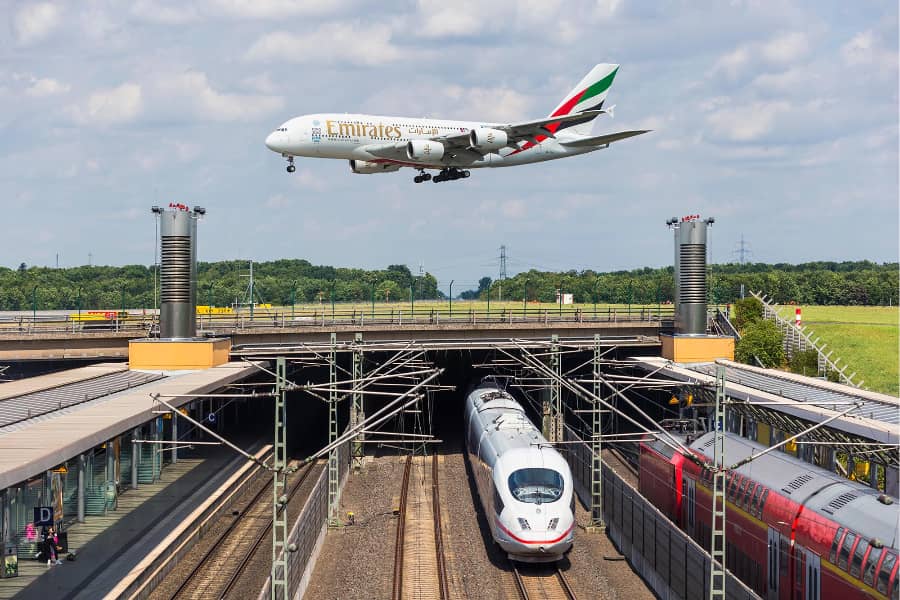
[273, 141]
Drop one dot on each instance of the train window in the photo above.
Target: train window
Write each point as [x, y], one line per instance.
[536, 485]
[746, 501]
[835, 543]
[762, 500]
[871, 563]
[887, 565]
[731, 484]
[856, 561]
[844, 555]
[754, 501]
[740, 491]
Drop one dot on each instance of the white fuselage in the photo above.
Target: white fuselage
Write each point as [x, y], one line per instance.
[344, 136]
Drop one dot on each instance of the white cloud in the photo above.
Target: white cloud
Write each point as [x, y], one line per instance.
[606, 9]
[273, 9]
[786, 48]
[866, 48]
[41, 88]
[110, 106]
[277, 201]
[354, 43]
[514, 209]
[746, 123]
[191, 91]
[163, 14]
[34, 22]
[782, 49]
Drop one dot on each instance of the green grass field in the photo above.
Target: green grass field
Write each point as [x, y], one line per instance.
[865, 337]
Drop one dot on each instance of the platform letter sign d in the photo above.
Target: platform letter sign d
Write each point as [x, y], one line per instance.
[43, 516]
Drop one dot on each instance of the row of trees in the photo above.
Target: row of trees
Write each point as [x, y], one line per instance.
[286, 281]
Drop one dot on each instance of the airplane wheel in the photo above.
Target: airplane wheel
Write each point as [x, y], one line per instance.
[291, 168]
[466, 174]
[418, 179]
[426, 176]
[438, 179]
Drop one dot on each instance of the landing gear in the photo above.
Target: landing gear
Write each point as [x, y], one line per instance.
[422, 176]
[291, 168]
[451, 174]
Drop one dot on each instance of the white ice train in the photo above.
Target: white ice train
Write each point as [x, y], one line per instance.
[524, 485]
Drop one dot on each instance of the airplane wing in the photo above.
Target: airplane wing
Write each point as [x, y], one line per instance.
[527, 131]
[457, 146]
[603, 140]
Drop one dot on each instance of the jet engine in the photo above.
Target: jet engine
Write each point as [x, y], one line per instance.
[427, 151]
[484, 138]
[364, 167]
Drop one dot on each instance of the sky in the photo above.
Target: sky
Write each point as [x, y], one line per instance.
[778, 119]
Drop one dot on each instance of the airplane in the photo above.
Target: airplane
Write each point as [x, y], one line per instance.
[379, 144]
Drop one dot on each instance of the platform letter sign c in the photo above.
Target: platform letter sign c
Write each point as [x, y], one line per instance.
[43, 516]
[211, 417]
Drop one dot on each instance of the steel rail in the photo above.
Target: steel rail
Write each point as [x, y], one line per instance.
[262, 535]
[397, 593]
[565, 584]
[209, 551]
[443, 584]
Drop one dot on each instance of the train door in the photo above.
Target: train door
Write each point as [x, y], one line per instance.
[689, 505]
[813, 576]
[772, 565]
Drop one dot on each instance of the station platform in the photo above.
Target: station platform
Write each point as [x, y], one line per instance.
[41, 444]
[110, 545]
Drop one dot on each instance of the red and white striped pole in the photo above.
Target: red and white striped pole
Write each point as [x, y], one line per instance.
[797, 317]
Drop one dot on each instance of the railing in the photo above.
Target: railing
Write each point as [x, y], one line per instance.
[798, 339]
[325, 316]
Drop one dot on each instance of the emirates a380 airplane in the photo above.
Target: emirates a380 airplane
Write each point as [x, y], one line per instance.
[375, 144]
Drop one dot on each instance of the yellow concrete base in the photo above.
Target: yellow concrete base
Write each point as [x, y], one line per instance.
[691, 349]
[174, 355]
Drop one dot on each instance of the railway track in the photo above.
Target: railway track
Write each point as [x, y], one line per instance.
[420, 571]
[542, 582]
[619, 461]
[222, 564]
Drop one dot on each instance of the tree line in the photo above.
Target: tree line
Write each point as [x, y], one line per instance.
[283, 282]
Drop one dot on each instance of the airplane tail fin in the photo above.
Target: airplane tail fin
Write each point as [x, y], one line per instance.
[589, 94]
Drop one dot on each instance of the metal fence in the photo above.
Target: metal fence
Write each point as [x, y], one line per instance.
[673, 565]
[308, 530]
[148, 324]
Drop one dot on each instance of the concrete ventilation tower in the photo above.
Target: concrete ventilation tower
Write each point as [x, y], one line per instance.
[178, 271]
[690, 274]
[178, 346]
[691, 343]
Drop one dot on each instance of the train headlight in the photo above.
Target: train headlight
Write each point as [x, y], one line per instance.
[553, 523]
[524, 524]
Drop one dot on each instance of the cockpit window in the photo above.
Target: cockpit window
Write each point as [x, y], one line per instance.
[536, 486]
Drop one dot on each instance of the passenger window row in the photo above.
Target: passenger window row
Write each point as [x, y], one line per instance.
[742, 491]
[860, 558]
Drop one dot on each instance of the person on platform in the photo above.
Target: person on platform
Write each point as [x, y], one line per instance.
[52, 547]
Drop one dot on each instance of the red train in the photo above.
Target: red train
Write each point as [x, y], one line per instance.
[794, 531]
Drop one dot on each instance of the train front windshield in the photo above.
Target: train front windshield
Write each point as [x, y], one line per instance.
[536, 486]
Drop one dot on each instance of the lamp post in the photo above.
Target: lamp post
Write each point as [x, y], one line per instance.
[560, 293]
[596, 296]
[412, 302]
[209, 304]
[630, 293]
[78, 303]
[332, 302]
[34, 306]
[373, 300]
[293, 299]
[525, 300]
[450, 295]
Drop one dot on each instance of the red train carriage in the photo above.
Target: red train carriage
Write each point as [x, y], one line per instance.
[794, 531]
